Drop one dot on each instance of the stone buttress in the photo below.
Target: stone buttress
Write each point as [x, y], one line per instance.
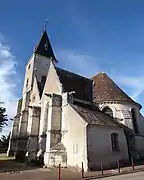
[55, 151]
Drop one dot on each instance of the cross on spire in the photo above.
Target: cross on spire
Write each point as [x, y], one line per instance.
[45, 25]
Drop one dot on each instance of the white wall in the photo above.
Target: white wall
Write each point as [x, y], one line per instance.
[74, 137]
[35, 97]
[99, 145]
[52, 85]
[38, 65]
[28, 74]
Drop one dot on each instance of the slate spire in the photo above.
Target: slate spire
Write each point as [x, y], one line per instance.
[44, 47]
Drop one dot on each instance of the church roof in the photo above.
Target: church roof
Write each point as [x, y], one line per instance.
[106, 90]
[93, 115]
[74, 82]
[44, 47]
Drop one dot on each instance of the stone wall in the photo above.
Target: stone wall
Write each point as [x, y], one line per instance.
[52, 85]
[99, 146]
[122, 113]
[33, 132]
[53, 129]
[140, 146]
[15, 131]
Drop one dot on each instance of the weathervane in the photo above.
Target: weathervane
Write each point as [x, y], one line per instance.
[46, 22]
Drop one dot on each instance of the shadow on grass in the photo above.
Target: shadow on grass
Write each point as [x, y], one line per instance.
[11, 165]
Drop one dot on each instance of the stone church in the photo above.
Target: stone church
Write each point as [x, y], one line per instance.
[65, 118]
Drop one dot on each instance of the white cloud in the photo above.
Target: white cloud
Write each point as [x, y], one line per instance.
[81, 63]
[136, 84]
[8, 82]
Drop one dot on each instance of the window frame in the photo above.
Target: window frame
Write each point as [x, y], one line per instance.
[29, 66]
[115, 145]
[108, 108]
[27, 82]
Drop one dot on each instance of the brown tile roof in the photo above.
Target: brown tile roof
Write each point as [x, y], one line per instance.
[93, 116]
[82, 86]
[106, 90]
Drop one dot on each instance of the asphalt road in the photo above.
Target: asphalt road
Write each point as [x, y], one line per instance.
[132, 176]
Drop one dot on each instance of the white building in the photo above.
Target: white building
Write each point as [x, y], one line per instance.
[65, 118]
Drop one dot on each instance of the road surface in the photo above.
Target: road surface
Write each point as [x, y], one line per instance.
[132, 176]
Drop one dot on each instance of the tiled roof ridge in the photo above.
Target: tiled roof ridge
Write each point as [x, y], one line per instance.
[75, 106]
[94, 107]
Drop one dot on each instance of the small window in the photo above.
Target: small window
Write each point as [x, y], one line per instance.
[115, 142]
[75, 149]
[27, 82]
[108, 111]
[29, 66]
[43, 79]
[134, 120]
[33, 98]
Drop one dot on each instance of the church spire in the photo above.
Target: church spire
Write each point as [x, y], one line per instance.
[44, 47]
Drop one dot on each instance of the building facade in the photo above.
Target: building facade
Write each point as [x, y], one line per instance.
[64, 118]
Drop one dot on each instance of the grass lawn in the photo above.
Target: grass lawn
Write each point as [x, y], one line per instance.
[5, 157]
[8, 164]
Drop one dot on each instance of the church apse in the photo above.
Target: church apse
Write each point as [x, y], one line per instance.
[134, 121]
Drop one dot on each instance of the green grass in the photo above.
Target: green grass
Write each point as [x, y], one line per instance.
[5, 157]
[8, 164]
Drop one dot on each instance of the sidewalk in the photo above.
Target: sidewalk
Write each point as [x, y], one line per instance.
[66, 174]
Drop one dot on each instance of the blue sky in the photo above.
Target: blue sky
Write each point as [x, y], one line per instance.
[88, 36]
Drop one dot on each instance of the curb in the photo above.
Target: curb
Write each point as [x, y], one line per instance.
[118, 174]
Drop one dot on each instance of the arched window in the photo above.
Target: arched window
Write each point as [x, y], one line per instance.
[135, 127]
[43, 79]
[115, 142]
[108, 111]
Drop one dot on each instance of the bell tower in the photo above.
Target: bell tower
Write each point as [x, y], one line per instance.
[39, 61]
[38, 66]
